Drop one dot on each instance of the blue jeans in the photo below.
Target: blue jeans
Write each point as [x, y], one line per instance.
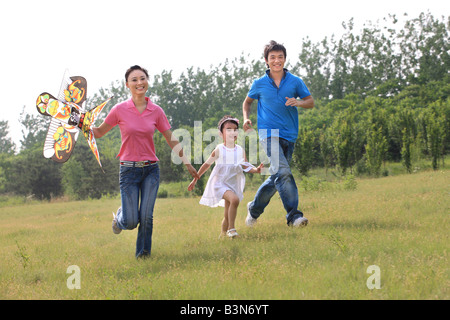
[134, 183]
[279, 151]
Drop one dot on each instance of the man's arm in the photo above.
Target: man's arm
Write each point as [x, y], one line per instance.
[246, 106]
[306, 102]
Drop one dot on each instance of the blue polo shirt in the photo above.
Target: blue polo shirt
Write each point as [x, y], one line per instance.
[272, 110]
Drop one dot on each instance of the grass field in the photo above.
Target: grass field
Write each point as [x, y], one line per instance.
[399, 224]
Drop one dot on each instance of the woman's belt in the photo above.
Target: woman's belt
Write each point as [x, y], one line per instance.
[137, 164]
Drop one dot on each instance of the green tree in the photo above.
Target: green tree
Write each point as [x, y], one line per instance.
[73, 179]
[326, 148]
[425, 48]
[346, 137]
[82, 177]
[6, 144]
[376, 149]
[436, 136]
[32, 174]
[303, 156]
[407, 142]
[34, 129]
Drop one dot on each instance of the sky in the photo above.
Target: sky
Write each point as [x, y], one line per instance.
[100, 39]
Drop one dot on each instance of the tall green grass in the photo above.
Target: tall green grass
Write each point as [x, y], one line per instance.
[398, 223]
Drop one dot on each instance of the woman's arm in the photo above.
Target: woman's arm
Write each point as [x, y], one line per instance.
[102, 130]
[175, 145]
[204, 168]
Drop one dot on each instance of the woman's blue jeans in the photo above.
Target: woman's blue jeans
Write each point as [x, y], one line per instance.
[138, 183]
[279, 151]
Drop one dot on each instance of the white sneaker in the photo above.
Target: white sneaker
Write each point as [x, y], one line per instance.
[250, 221]
[232, 233]
[300, 222]
[115, 228]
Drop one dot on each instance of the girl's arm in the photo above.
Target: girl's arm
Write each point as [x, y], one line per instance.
[175, 145]
[256, 170]
[214, 155]
[252, 170]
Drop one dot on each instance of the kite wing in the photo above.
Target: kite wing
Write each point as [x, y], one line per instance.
[86, 127]
[67, 107]
[60, 141]
[73, 89]
[66, 112]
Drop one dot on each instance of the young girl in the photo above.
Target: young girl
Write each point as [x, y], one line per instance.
[226, 183]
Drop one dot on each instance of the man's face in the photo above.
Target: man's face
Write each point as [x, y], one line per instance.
[276, 60]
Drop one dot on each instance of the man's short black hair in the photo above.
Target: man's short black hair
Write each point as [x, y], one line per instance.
[273, 46]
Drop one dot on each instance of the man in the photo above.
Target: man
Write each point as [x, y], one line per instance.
[277, 93]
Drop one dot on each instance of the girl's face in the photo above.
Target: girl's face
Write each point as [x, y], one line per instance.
[229, 131]
[137, 82]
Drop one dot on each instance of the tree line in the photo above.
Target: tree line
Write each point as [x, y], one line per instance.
[381, 95]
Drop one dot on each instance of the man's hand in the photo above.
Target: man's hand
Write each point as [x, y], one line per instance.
[246, 113]
[305, 103]
[260, 167]
[292, 102]
[247, 125]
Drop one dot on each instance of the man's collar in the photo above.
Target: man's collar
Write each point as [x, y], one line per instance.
[286, 71]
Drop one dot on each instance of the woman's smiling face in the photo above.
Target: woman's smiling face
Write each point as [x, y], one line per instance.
[137, 82]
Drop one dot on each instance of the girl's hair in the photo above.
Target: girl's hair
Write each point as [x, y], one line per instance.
[273, 46]
[226, 119]
[131, 69]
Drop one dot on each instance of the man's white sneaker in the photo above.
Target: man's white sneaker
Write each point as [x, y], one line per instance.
[300, 222]
[249, 221]
[115, 228]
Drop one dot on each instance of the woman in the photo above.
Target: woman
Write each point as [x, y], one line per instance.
[138, 118]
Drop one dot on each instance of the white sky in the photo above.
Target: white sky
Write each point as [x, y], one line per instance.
[100, 39]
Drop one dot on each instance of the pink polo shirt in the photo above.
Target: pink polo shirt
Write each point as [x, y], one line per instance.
[137, 129]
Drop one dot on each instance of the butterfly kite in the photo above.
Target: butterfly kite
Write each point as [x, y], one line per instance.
[68, 118]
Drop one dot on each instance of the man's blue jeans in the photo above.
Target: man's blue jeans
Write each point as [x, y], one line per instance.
[279, 151]
[134, 183]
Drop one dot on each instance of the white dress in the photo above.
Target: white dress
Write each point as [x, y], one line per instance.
[227, 174]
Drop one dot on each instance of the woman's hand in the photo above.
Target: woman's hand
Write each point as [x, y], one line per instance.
[192, 184]
[192, 171]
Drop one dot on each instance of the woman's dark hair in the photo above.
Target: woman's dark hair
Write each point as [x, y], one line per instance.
[131, 69]
[273, 46]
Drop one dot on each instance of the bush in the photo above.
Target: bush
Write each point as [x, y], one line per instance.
[162, 193]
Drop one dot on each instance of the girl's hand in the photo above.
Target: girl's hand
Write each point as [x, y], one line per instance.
[192, 185]
[192, 171]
